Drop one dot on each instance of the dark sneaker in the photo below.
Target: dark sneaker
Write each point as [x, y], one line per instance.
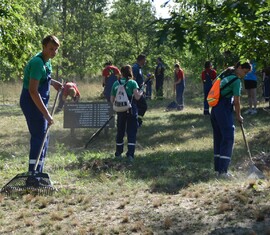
[118, 156]
[226, 176]
[130, 159]
[249, 111]
[140, 122]
[253, 111]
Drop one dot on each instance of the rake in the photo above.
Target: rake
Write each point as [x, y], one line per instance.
[34, 182]
[98, 131]
[254, 172]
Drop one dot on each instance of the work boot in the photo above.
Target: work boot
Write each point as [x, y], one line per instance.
[32, 181]
[130, 159]
[139, 122]
[226, 176]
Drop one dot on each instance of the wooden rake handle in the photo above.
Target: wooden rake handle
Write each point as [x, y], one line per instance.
[246, 143]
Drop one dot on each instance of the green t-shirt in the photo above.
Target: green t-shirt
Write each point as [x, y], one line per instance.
[130, 86]
[234, 89]
[36, 69]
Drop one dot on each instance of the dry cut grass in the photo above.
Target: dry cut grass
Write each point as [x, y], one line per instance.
[169, 189]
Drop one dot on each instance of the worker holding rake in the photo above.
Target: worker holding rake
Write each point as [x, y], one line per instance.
[222, 117]
[35, 97]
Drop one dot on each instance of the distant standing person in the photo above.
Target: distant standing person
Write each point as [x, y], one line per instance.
[222, 117]
[179, 85]
[250, 82]
[159, 75]
[110, 74]
[148, 92]
[35, 97]
[127, 121]
[70, 90]
[138, 76]
[208, 75]
[266, 85]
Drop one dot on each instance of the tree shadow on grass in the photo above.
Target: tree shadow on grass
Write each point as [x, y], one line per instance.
[5, 155]
[255, 228]
[165, 172]
[10, 110]
[169, 172]
[173, 128]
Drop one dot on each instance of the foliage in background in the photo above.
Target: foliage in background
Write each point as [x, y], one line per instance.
[18, 36]
[221, 29]
[93, 32]
[131, 30]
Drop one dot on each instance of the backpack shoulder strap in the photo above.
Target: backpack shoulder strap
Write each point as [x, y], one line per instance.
[119, 81]
[125, 83]
[129, 97]
[229, 83]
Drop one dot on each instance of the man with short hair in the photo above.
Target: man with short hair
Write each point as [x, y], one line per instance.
[35, 97]
[138, 75]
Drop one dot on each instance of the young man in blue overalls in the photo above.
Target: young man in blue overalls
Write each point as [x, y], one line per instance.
[222, 117]
[35, 97]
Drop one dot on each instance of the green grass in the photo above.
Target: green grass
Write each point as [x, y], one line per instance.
[170, 189]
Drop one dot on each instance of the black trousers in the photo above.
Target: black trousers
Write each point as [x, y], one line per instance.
[142, 106]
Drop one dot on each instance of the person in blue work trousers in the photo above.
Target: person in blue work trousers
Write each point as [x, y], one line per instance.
[222, 117]
[139, 78]
[35, 97]
[179, 86]
[127, 122]
[208, 75]
[110, 74]
[159, 75]
[148, 90]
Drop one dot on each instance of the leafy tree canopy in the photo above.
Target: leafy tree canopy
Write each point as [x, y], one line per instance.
[92, 32]
[238, 27]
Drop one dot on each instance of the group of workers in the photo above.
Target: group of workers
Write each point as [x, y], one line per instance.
[36, 88]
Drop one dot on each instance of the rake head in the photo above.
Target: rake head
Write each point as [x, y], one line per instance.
[29, 183]
[255, 173]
